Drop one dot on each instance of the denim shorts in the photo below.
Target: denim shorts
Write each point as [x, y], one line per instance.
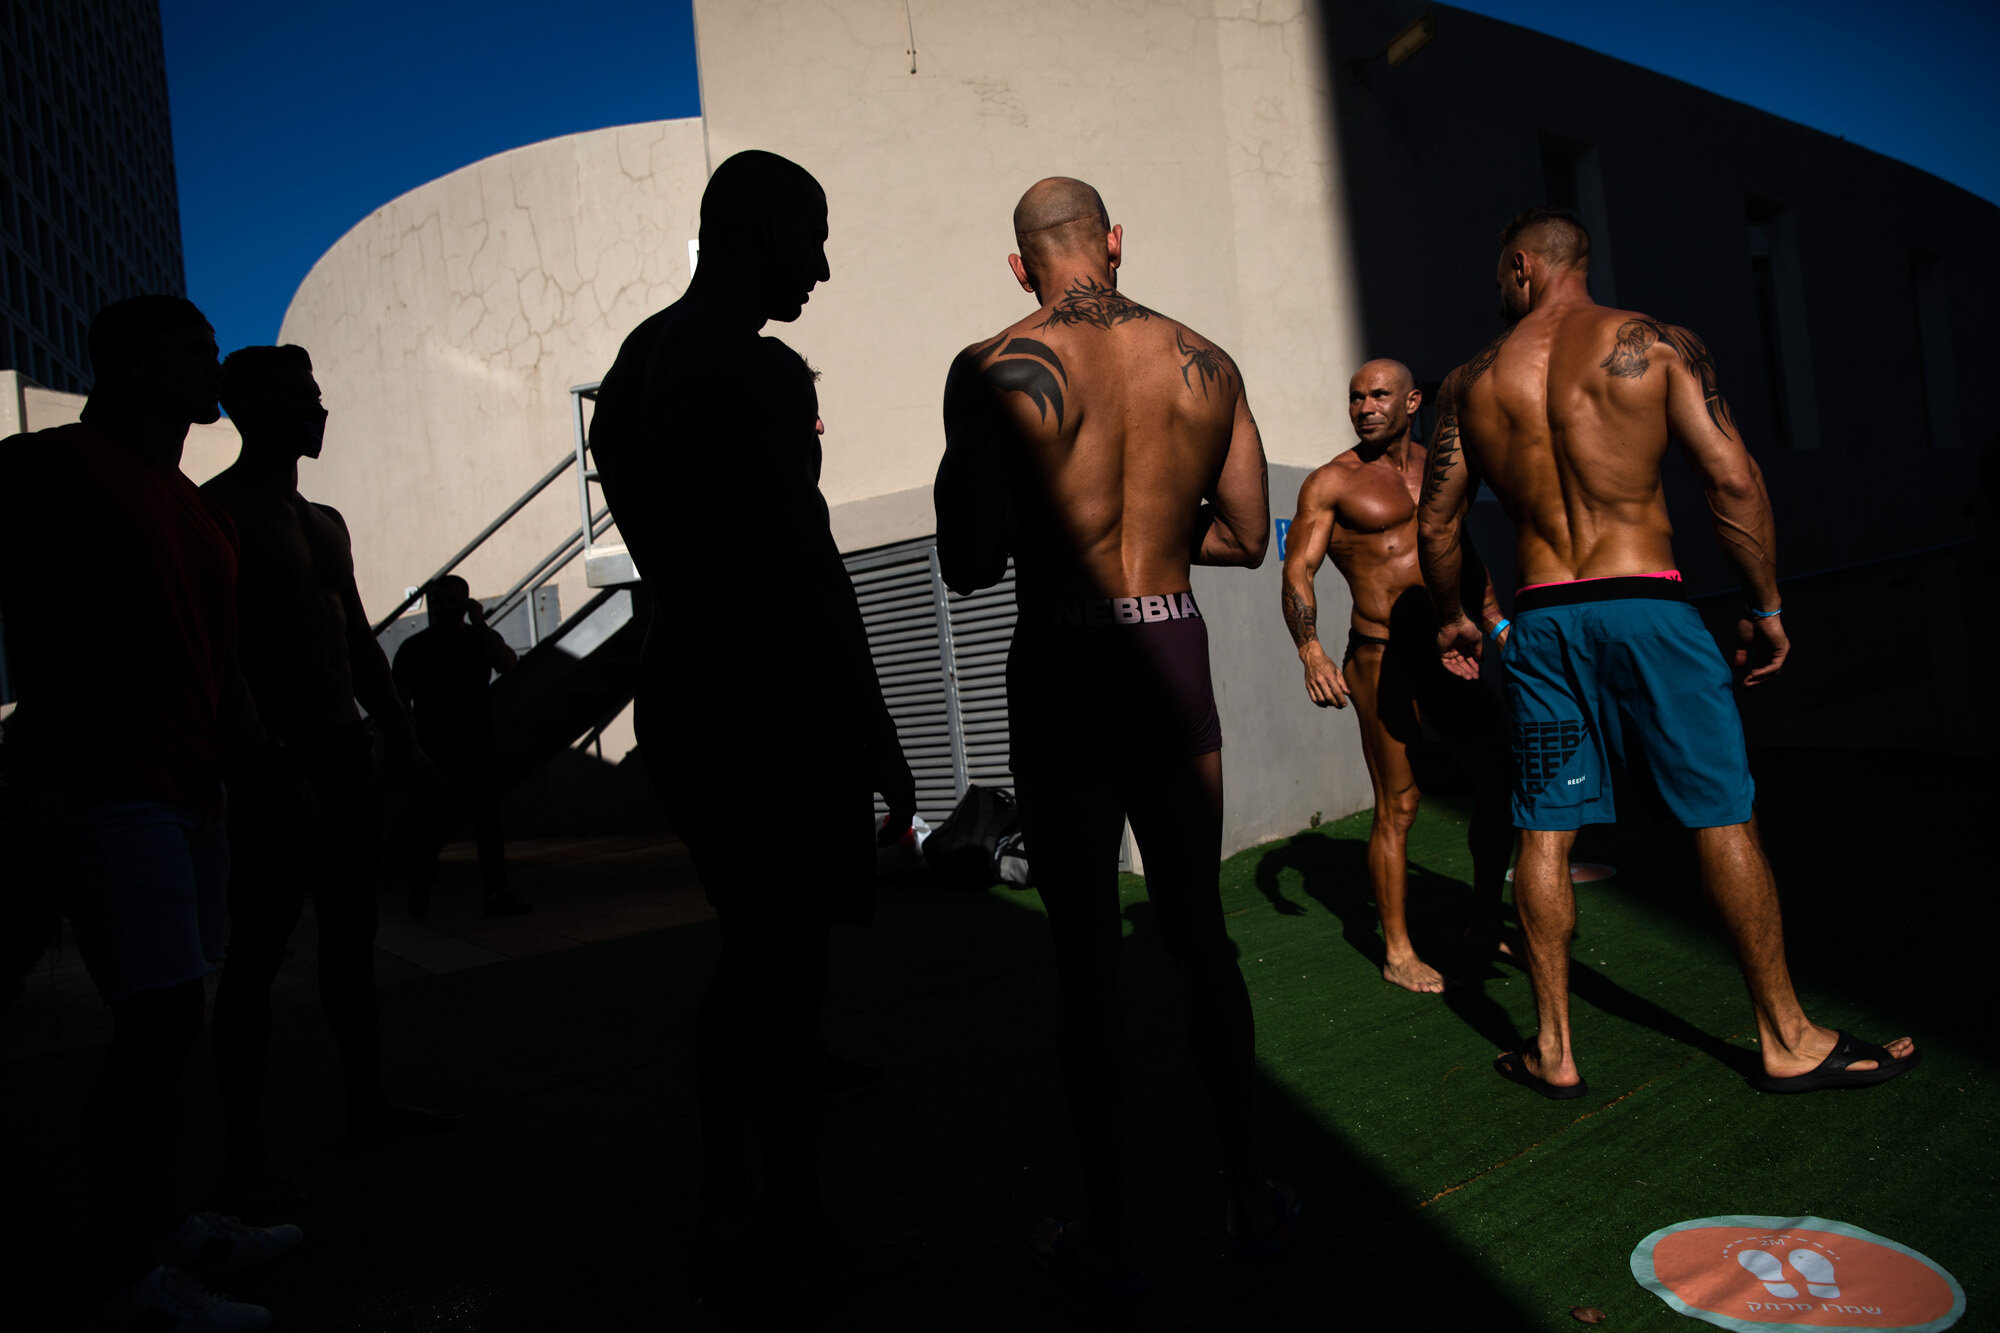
[146, 889]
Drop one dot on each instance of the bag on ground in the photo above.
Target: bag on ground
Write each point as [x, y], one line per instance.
[961, 849]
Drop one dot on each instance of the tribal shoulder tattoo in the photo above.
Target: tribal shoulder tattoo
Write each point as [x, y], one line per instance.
[1444, 448]
[1029, 367]
[1629, 360]
[1091, 303]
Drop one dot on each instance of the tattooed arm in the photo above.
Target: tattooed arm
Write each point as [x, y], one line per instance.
[1448, 486]
[1234, 527]
[970, 493]
[1305, 548]
[1738, 505]
[1475, 586]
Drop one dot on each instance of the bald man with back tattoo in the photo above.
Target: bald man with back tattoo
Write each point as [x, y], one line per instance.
[1568, 415]
[1361, 509]
[1107, 448]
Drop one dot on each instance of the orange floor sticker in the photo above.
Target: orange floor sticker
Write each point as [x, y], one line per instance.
[1756, 1273]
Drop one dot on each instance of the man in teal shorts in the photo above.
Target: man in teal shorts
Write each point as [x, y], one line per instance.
[1567, 415]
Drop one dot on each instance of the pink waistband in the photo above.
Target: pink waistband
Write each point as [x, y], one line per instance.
[1673, 574]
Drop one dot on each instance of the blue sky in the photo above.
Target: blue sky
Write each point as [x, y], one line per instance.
[292, 123]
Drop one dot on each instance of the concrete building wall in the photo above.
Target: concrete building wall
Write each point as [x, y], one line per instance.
[448, 326]
[1206, 132]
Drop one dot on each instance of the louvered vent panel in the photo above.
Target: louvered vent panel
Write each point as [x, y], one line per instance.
[982, 626]
[899, 606]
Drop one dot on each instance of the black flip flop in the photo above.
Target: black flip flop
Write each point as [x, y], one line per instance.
[1518, 1072]
[1833, 1072]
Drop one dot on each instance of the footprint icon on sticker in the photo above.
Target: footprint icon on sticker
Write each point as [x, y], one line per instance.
[1818, 1272]
[1764, 1266]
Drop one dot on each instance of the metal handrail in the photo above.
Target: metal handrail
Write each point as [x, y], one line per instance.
[568, 462]
[593, 525]
[551, 565]
[584, 472]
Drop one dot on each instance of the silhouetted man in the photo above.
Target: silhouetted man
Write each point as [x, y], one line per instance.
[445, 671]
[1567, 415]
[1107, 447]
[1361, 509]
[118, 582]
[756, 666]
[307, 654]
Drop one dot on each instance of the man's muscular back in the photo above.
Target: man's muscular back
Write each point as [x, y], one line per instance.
[1113, 424]
[1568, 415]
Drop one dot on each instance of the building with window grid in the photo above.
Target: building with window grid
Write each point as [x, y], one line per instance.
[88, 206]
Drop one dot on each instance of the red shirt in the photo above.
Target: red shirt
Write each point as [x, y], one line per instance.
[118, 588]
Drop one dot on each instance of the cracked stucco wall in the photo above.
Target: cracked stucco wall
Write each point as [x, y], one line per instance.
[1207, 126]
[446, 330]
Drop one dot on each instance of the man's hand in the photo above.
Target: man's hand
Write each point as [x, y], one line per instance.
[1761, 646]
[1324, 682]
[1459, 645]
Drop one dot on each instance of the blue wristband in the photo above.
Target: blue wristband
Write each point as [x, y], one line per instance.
[1494, 633]
[1764, 615]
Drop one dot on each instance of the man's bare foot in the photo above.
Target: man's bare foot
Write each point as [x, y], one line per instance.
[390, 1120]
[1826, 1058]
[1557, 1080]
[255, 1189]
[1506, 942]
[1414, 974]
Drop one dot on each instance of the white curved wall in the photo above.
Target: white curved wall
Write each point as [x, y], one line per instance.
[447, 327]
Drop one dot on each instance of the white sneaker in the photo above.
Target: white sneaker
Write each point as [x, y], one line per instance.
[209, 1243]
[167, 1300]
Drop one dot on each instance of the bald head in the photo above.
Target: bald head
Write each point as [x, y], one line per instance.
[1393, 374]
[1380, 399]
[1060, 216]
[1058, 202]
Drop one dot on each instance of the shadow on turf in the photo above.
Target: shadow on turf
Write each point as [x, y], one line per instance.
[565, 1201]
[1885, 918]
[956, 995]
[1334, 872]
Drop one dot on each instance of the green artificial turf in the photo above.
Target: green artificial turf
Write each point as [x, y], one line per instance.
[1437, 1194]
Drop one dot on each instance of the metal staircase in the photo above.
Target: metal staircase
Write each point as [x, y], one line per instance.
[574, 677]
